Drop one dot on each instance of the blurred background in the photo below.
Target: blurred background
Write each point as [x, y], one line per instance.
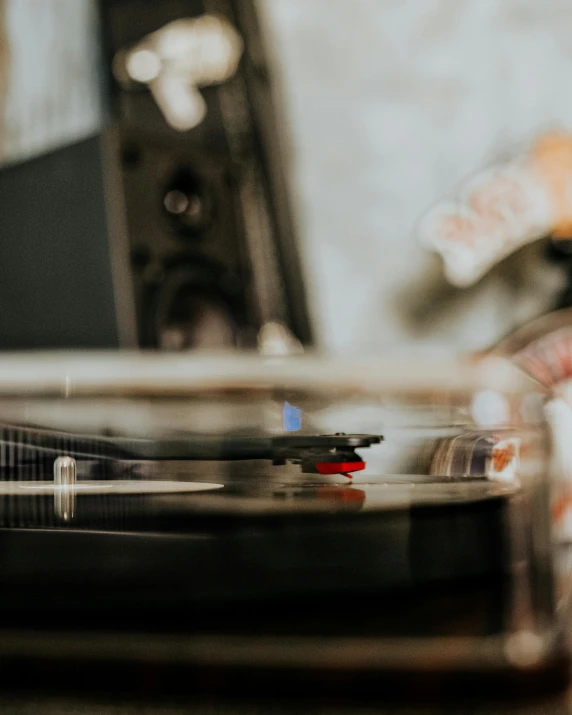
[126, 230]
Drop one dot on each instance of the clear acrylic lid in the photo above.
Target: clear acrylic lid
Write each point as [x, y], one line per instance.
[403, 478]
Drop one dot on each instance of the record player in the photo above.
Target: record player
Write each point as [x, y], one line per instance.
[283, 523]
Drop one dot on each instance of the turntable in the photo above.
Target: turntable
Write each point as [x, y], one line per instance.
[168, 512]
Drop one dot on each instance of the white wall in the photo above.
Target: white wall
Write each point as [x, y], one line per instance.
[50, 93]
[390, 104]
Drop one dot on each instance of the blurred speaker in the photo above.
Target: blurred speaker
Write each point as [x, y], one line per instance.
[213, 250]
